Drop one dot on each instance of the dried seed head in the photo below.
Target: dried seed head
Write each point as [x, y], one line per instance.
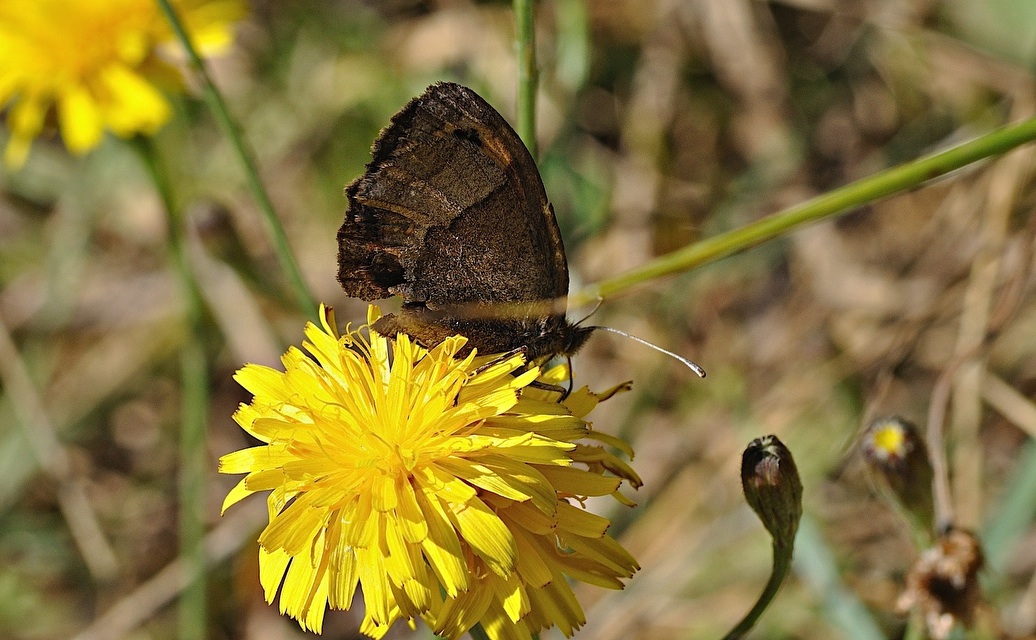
[943, 583]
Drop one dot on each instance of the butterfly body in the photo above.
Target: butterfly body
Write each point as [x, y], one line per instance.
[452, 216]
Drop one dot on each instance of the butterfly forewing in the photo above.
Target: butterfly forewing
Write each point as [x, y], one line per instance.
[451, 214]
[453, 195]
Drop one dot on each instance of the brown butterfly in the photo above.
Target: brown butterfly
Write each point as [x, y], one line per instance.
[451, 215]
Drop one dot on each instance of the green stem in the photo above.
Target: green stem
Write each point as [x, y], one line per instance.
[851, 196]
[781, 565]
[194, 389]
[915, 627]
[219, 109]
[528, 74]
[193, 465]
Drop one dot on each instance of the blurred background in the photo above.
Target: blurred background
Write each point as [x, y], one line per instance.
[660, 123]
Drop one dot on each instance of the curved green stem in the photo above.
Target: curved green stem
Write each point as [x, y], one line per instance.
[528, 74]
[281, 248]
[194, 406]
[781, 565]
[841, 200]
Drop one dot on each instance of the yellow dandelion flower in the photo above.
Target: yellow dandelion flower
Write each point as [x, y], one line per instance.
[92, 62]
[449, 488]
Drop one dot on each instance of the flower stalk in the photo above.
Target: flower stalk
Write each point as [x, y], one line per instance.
[194, 389]
[836, 202]
[528, 73]
[781, 566]
[218, 105]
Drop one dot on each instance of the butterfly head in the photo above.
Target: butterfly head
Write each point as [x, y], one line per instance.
[555, 336]
[576, 336]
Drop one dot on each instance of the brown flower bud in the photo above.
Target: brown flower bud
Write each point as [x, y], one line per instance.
[772, 488]
[900, 467]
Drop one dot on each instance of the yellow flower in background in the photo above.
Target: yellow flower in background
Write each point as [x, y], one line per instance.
[93, 63]
[450, 489]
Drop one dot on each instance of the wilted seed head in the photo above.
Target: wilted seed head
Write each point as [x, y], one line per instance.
[898, 460]
[772, 487]
[943, 583]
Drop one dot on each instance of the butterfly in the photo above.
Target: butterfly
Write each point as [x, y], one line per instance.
[451, 215]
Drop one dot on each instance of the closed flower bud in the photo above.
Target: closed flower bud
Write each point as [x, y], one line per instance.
[772, 488]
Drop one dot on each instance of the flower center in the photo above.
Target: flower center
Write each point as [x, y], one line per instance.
[402, 459]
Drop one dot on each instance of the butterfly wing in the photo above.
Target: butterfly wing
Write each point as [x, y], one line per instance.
[450, 212]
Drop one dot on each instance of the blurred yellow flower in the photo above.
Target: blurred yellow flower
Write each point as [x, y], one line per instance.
[93, 62]
[450, 489]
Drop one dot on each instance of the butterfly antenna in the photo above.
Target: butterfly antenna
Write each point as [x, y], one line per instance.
[690, 364]
[597, 305]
